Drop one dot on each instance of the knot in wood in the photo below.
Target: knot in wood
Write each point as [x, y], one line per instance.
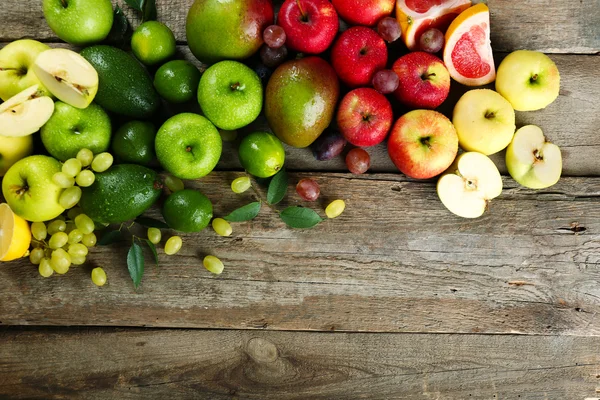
[262, 351]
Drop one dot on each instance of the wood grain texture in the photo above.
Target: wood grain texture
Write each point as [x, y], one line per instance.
[396, 260]
[545, 25]
[158, 364]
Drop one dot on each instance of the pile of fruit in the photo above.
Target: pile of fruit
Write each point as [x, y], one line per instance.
[321, 77]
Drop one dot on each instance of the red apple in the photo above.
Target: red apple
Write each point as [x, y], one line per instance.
[310, 25]
[423, 144]
[363, 12]
[424, 80]
[364, 117]
[358, 53]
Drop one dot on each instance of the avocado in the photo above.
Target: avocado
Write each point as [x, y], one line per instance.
[120, 193]
[124, 85]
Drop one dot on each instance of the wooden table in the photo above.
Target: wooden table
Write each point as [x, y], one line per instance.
[397, 298]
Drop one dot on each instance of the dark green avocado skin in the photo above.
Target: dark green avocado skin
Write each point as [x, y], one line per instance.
[121, 193]
[124, 85]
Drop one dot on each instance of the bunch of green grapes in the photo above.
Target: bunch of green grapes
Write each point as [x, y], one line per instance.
[78, 172]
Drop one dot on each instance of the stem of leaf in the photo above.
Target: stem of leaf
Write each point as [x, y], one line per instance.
[263, 201]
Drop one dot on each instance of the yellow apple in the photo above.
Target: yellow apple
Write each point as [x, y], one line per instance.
[531, 160]
[469, 184]
[529, 80]
[484, 121]
[12, 149]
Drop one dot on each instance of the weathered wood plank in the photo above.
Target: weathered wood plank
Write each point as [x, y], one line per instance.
[396, 260]
[128, 364]
[546, 25]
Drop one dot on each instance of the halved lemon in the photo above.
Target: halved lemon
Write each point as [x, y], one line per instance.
[416, 16]
[468, 50]
[15, 235]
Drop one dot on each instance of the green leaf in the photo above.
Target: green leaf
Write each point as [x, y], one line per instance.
[120, 33]
[151, 222]
[153, 249]
[149, 10]
[110, 238]
[137, 4]
[245, 213]
[277, 187]
[300, 217]
[135, 264]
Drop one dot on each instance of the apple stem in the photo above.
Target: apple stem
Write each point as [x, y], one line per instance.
[304, 16]
[538, 156]
[533, 78]
[427, 76]
[64, 3]
[235, 86]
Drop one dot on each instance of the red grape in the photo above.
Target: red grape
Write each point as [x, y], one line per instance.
[308, 189]
[358, 161]
[385, 81]
[272, 57]
[274, 36]
[389, 29]
[328, 145]
[432, 40]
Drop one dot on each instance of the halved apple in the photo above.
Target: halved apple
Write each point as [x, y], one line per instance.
[68, 76]
[531, 160]
[25, 113]
[469, 184]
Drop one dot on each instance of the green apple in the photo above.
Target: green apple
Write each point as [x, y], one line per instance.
[230, 95]
[469, 184]
[188, 146]
[71, 129]
[13, 149]
[79, 22]
[531, 160]
[529, 80]
[30, 191]
[16, 60]
[25, 113]
[68, 76]
[484, 121]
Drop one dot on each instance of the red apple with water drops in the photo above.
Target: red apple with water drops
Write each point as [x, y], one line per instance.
[364, 117]
[363, 12]
[310, 25]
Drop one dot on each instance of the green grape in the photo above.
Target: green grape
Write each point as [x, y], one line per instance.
[71, 167]
[241, 184]
[335, 208]
[85, 157]
[85, 178]
[38, 230]
[56, 226]
[89, 240]
[60, 261]
[174, 183]
[228, 136]
[73, 212]
[222, 227]
[154, 235]
[213, 264]
[63, 180]
[173, 245]
[78, 249]
[102, 162]
[69, 197]
[36, 255]
[75, 236]
[45, 269]
[84, 224]
[98, 276]
[58, 240]
[77, 260]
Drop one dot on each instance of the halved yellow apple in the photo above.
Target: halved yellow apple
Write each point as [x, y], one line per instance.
[25, 113]
[469, 184]
[531, 160]
[68, 76]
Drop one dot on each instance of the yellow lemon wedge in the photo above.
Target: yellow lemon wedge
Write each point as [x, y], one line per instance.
[15, 235]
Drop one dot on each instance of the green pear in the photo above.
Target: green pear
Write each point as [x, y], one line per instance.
[16, 72]
[300, 100]
[218, 30]
[79, 22]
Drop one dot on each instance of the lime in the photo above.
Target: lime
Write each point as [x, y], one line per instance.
[261, 154]
[177, 81]
[134, 143]
[187, 211]
[153, 43]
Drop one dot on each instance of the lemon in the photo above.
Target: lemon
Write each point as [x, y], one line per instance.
[15, 235]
